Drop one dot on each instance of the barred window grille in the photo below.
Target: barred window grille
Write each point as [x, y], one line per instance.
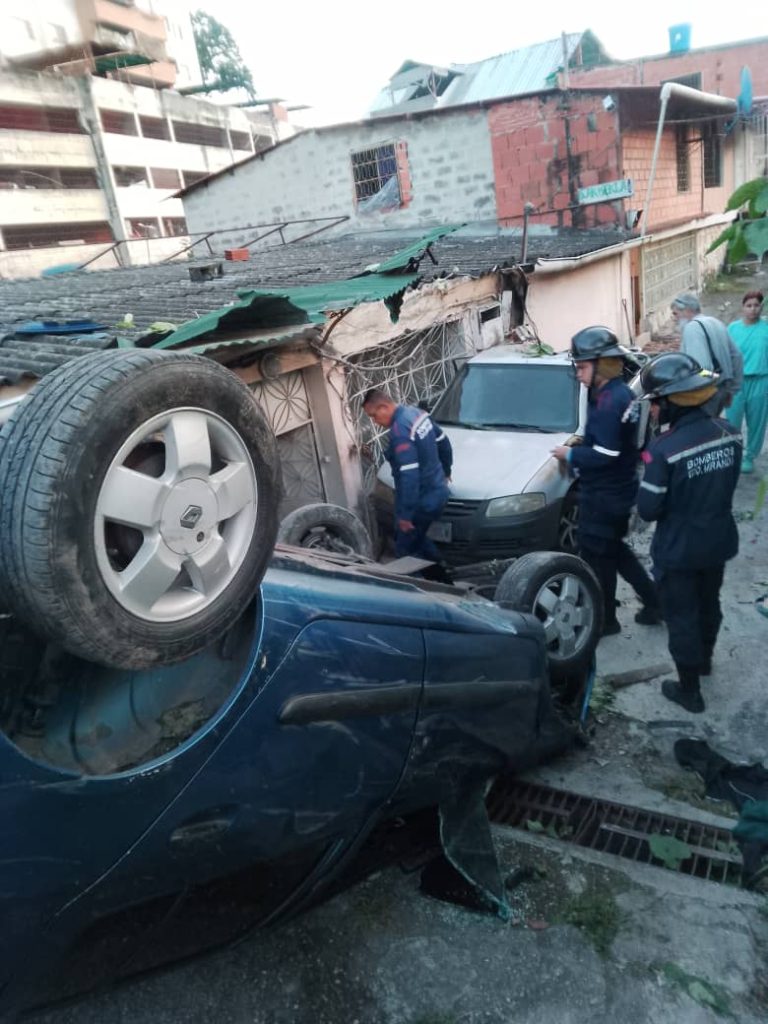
[713, 156]
[682, 158]
[372, 169]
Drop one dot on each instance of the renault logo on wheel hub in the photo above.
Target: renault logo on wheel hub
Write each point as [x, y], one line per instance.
[191, 517]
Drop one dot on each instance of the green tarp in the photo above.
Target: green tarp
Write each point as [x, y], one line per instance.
[403, 259]
[263, 310]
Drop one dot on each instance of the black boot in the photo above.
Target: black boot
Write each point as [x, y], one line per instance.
[705, 667]
[649, 615]
[685, 690]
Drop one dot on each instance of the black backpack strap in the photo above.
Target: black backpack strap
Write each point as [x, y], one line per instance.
[715, 363]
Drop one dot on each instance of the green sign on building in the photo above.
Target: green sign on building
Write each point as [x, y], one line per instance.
[605, 191]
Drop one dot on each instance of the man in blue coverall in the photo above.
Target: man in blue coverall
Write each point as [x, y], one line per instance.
[606, 466]
[421, 458]
[691, 472]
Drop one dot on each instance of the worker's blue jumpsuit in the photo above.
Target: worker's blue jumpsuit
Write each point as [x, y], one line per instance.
[691, 472]
[606, 466]
[421, 458]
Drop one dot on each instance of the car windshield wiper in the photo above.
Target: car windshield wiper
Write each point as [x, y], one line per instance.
[522, 426]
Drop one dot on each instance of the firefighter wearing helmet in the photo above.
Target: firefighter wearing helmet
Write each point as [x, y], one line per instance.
[606, 466]
[691, 471]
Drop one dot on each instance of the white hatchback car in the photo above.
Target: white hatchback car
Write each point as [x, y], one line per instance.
[504, 412]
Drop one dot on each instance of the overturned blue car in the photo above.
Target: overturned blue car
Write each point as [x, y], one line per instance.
[200, 732]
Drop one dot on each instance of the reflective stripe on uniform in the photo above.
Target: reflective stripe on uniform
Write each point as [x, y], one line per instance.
[605, 451]
[417, 423]
[654, 488]
[411, 465]
[707, 446]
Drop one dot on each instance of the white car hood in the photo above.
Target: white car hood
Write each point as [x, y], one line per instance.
[494, 463]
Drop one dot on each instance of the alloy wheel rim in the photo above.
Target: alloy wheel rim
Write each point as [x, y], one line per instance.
[171, 531]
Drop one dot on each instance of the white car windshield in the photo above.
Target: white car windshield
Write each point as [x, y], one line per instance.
[515, 396]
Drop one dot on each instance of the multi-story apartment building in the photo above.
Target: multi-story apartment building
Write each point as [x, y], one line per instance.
[94, 141]
[146, 42]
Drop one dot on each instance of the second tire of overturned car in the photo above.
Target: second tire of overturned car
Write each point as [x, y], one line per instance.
[139, 506]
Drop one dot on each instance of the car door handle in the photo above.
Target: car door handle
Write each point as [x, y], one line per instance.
[201, 830]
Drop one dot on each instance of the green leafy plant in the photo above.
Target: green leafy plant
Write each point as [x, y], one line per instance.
[748, 234]
[670, 851]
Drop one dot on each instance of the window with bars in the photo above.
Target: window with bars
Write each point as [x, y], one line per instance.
[174, 226]
[39, 236]
[24, 117]
[682, 159]
[118, 122]
[200, 134]
[154, 127]
[165, 177]
[191, 177]
[713, 156]
[240, 140]
[48, 177]
[375, 176]
[127, 176]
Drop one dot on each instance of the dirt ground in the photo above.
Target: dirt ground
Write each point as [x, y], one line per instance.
[593, 938]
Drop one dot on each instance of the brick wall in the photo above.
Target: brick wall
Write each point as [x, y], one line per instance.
[668, 205]
[720, 69]
[529, 142]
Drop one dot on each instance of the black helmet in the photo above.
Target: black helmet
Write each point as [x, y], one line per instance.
[594, 343]
[672, 372]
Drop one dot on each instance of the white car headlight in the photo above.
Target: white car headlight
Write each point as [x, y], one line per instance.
[516, 504]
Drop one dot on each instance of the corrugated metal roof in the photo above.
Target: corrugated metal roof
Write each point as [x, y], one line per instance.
[509, 74]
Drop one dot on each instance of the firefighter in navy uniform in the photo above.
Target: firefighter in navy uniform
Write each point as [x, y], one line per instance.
[606, 464]
[691, 471]
[421, 459]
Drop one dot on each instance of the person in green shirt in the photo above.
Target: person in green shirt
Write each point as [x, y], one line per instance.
[750, 335]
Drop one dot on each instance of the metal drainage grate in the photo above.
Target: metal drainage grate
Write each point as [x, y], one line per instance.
[614, 828]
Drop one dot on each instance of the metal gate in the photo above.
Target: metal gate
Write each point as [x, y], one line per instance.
[286, 405]
[668, 268]
[418, 367]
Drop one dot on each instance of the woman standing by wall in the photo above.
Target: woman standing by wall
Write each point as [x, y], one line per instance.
[750, 335]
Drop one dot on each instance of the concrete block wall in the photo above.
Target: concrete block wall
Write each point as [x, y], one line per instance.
[530, 156]
[446, 174]
[668, 205]
[720, 69]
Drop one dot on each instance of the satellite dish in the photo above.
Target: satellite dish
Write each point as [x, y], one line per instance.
[745, 94]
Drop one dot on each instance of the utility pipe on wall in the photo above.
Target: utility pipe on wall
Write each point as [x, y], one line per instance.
[707, 100]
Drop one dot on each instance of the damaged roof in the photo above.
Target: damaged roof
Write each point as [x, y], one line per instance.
[165, 293]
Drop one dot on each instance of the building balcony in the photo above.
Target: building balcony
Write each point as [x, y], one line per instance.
[111, 14]
[43, 206]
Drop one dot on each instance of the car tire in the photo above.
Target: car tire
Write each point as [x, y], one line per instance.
[567, 523]
[563, 593]
[140, 491]
[328, 528]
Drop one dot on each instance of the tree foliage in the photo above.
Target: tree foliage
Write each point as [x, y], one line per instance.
[221, 62]
[749, 233]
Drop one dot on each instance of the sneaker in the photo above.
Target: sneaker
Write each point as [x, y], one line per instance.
[611, 628]
[649, 616]
[747, 466]
[690, 700]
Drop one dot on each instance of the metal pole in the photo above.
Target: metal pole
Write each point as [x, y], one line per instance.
[665, 91]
